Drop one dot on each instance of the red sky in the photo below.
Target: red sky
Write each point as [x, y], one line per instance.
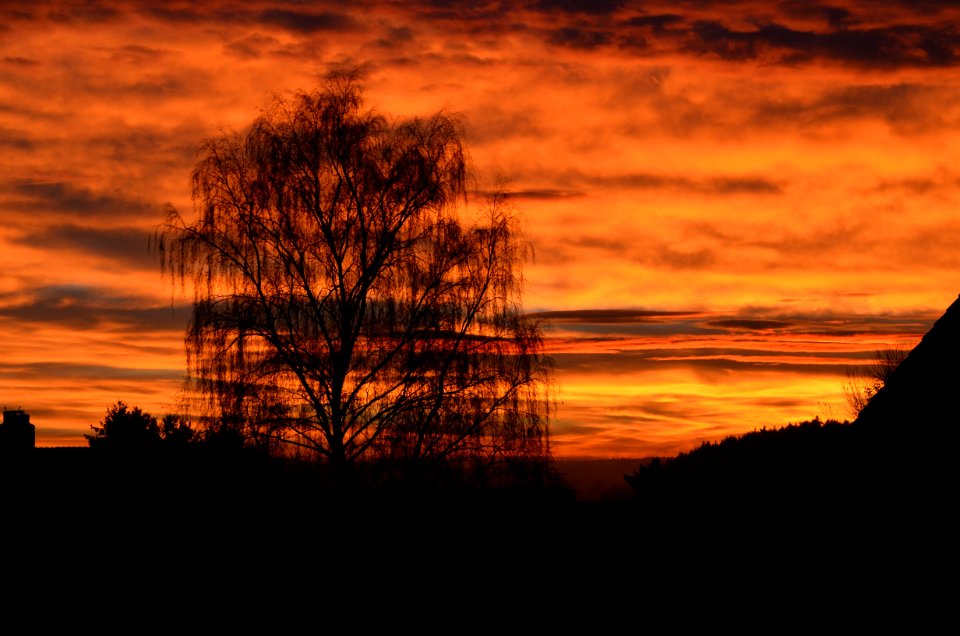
[729, 202]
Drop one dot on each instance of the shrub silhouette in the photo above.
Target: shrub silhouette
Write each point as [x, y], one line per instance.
[126, 428]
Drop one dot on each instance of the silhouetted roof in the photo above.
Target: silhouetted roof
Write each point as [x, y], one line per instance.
[925, 388]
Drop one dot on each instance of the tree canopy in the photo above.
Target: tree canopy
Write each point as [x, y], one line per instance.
[351, 298]
[126, 428]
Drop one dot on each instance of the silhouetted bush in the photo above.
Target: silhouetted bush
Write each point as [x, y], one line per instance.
[129, 429]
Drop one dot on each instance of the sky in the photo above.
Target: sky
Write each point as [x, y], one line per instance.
[730, 203]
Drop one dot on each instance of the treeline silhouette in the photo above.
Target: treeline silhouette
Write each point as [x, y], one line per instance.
[143, 488]
[814, 474]
[139, 464]
[810, 490]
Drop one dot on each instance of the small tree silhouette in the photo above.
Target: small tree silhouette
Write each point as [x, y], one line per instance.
[125, 428]
[861, 384]
[132, 428]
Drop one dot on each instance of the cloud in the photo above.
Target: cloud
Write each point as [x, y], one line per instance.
[16, 140]
[929, 245]
[251, 46]
[124, 245]
[20, 61]
[887, 47]
[308, 22]
[659, 23]
[651, 251]
[138, 54]
[542, 194]
[593, 7]
[578, 38]
[670, 258]
[612, 316]
[917, 186]
[710, 365]
[707, 185]
[89, 12]
[836, 17]
[491, 123]
[85, 307]
[749, 325]
[50, 371]
[907, 108]
[184, 14]
[58, 198]
[775, 321]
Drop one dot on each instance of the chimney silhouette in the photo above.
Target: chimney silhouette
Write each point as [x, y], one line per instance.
[17, 433]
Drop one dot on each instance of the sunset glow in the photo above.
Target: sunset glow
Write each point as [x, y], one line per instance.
[729, 203]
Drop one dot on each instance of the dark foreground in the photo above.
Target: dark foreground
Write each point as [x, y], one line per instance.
[163, 533]
[110, 501]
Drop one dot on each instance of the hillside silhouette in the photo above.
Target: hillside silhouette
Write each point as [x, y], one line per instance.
[895, 464]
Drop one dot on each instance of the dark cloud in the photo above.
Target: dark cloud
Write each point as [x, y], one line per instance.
[599, 243]
[20, 61]
[89, 11]
[251, 46]
[85, 307]
[470, 15]
[906, 108]
[707, 363]
[739, 185]
[797, 249]
[541, 194]
[593, 7]
[307, 22]
[138, 54]
[181, 14]
[710, 185]
[943, 181]
[606, 326]
[395, 37]
[491, 123]
[125, 245]
[832, 15]
[53, 371]
[579, 38]
[15, 139]
[172, 150]
[887, 47]
[659, 23]
[640, 250]
[612, 316]
[713, 38]
[59, 198]
[749, 325]
[668, 257]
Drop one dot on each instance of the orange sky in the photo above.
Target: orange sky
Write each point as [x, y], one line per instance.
[728, 201]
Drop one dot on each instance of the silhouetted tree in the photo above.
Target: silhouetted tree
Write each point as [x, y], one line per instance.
[124, 427]
[132, 428]
[343, 305]
[176, 431]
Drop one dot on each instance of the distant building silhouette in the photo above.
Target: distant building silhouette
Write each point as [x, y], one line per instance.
[16, 432]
